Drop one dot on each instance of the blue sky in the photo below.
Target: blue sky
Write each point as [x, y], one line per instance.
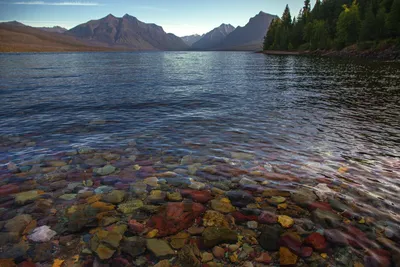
[181, 17]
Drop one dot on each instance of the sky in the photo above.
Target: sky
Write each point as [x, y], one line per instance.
[180, 17]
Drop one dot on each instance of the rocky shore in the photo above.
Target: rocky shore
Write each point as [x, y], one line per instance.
[119, 207]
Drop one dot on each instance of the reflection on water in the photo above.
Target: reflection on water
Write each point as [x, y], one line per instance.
[312, 120]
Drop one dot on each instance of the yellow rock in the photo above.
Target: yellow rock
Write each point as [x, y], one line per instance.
[57, 263]
[285, 221]
[225, 200]
[233, 258]
[362, 221]
[343, 169]
[324, 255]
[282, 206]
[358, 264]
[286, 257]
[102, 206]
[152, 233]
[137, 167]
[93, 199]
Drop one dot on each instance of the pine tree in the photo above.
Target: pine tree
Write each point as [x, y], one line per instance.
[348, 25]
[393, 20]
[368, 29]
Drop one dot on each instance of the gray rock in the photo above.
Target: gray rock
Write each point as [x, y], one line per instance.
[133, 246]
[326, 218]
[303, 197]
[106, 170]
[337, 205]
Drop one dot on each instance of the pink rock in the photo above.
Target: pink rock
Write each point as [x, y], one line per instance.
[306, 252]
[175, 217]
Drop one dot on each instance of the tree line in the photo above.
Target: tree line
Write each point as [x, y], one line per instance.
[335, 24]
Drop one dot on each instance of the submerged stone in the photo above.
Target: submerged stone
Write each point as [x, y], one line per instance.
[159, 248]
[213, 236]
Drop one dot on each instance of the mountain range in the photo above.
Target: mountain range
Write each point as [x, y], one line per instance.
[128, 33]
[213, 38]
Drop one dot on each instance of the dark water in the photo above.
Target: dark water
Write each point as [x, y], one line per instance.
[307, 117]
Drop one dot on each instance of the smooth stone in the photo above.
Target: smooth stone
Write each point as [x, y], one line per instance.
[189, 256]
[213, 236]
[156, 197]
[106, 170]
[222, 205]
[174, 196]
[252, 224]
[323, 192]
[42, 234]
[159, 248]
[337, 205]
[104, 252]
[114, 197]
[286, 257]
[163, 263]
[240, 198]
[68, 197]
[103, 189]
[179, 240]
[197, 185]
[151, 181]
[18, 223]
[218, 252]
[133, 246]
[246, 181]
[285, 221]
[130, 206]
[206, 257]
[326, 218]
[196, 230]
[28, 196]
[303, 197]
[317, 241]
[269, 238]
[214, 218]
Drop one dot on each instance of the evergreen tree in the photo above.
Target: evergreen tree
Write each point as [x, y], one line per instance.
[348, 25]
[393, 20]
[368, 29]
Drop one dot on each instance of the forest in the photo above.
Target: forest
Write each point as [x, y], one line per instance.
[336, 24]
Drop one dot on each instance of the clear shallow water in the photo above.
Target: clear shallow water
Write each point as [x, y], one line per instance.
[310, 118]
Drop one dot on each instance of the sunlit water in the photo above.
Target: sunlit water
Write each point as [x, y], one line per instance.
[308, 117]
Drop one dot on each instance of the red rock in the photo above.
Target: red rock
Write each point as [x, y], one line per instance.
[317, 241]
[175, 217]
[240, 217]
[8, 189]
[267, 218]
[120, 262]
[136, 227]
[377, 258]
[306, 252]
[291, 243]
[197, 196]
[319, 205]
[264, 258]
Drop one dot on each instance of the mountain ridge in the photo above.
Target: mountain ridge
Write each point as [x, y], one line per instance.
[213, 37]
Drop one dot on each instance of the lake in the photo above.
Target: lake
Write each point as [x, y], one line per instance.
[311, 143]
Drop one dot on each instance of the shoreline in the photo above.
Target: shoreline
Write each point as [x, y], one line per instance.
[390, 54]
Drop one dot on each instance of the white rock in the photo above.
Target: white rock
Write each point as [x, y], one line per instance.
[252, 224]
[324, 192]
[42, 234]
[246, 181]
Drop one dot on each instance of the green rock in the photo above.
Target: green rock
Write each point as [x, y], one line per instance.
[18, 223]
[106, 170]
[337, 205]
[159, 248]
[175, 196]
[133, 246]
[130, 206]
[114, 197]
[68, 197]
[213, 236]
[28, 196]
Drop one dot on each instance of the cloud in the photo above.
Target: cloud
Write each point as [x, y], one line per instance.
[57, 3]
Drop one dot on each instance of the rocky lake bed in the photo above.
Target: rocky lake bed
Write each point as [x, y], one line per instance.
[118, 207]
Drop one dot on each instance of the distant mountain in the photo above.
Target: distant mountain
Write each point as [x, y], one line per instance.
[211, 39]
[128, 33]
[191, 39]
[17, 37]
[250, 36]
[57, 29]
